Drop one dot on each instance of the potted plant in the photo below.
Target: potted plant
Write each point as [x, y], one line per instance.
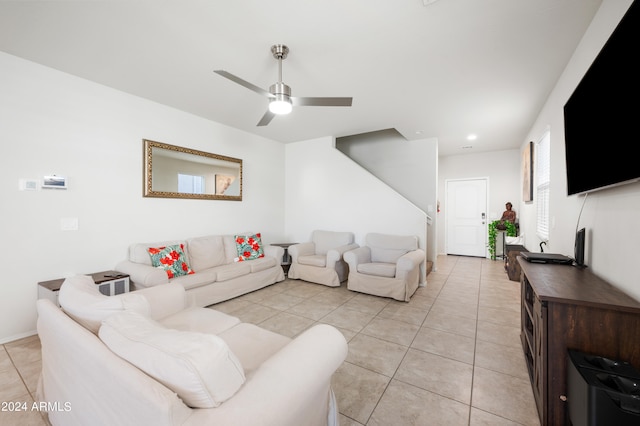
[510, 229]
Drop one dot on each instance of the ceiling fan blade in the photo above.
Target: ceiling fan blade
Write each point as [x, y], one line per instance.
[266, 118]
[321, 101]
[244, 83]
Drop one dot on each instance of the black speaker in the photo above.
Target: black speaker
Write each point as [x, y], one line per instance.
[602, 391]
[579, 247]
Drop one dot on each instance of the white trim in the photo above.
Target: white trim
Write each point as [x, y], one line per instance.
[543, 184]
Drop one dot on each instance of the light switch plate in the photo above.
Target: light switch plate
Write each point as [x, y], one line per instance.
[28, 184]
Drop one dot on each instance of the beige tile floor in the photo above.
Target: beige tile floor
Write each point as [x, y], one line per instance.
[451, 356]
[20, 364]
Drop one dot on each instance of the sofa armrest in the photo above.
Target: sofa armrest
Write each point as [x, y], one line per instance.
[165, 299]
[100, 387]
[409, 261]
[274, 251]
[357, 256]
[301, 249]
[142, 275]
[297, 380]
[335, 254]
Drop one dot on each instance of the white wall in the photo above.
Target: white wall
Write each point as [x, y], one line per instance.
[54, 123]
[326, 190]
[502, 168]
[409, 167]
[610, 216]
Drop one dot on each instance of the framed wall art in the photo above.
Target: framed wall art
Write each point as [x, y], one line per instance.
[527, 173]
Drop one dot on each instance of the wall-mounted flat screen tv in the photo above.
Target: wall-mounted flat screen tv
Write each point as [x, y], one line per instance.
[602, 116]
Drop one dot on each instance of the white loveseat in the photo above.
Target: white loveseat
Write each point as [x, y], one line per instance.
[101, 358]
[217, 276]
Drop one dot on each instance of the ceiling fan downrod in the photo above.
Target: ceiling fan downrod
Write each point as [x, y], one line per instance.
[281, 104]
[280, 52]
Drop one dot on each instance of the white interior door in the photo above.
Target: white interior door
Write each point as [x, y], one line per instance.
[466, 216]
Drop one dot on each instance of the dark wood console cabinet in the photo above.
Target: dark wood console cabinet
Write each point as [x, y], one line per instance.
[511, 264]
[565, 307]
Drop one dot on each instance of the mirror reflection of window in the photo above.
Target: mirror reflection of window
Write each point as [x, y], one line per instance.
[189, 184]
[171, 171]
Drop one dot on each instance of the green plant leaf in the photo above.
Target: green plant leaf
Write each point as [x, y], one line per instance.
[493, 232]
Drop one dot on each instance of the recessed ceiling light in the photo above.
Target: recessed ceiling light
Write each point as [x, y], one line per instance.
[472, 137]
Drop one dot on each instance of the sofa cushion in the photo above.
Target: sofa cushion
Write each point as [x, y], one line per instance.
[379, 254]
[379, 269]
[253, 345]
[170, 258]
[232, 270]
[262, 264]
[201, 278]
[80, 298]
[319, 260]
[202, 320]
[199, 367]
[206, 252]
[249, 247]
[230, 251]
[388, 248]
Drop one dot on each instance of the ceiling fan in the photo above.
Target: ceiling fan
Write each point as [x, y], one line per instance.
[279, 94]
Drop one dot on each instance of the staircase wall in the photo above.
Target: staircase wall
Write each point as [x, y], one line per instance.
[327, 190]
[409, 167]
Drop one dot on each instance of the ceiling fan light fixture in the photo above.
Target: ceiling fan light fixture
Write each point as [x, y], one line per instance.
[279, 94]
[281, 104]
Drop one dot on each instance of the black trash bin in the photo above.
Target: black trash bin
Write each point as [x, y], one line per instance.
[602, 391]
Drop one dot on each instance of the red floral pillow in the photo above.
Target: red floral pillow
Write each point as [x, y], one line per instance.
[170, 258]
[248, 247]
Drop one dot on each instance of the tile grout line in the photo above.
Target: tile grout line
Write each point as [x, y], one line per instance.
[475, 344]
[17, 370]
[405, 354]
[408, 348]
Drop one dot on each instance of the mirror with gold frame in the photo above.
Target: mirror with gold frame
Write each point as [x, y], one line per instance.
[172, 171]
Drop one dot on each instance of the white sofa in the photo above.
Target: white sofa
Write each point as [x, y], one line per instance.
[92, 367]
[217, 275]
[320, 260]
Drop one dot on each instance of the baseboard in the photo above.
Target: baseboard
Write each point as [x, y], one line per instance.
[15, 337]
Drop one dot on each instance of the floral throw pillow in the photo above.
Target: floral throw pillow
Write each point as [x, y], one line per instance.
[249, 247]
[170, 258]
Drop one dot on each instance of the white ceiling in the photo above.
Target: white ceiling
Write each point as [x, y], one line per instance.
[443, 70]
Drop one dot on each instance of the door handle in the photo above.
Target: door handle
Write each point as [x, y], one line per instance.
[483, 215]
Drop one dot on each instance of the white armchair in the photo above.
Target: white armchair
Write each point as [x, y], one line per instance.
[320, 260]
[387, 266]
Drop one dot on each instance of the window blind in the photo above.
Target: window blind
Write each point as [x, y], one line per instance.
[542, 186]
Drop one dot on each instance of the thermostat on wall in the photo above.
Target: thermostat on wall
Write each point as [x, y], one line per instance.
[55, 182]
